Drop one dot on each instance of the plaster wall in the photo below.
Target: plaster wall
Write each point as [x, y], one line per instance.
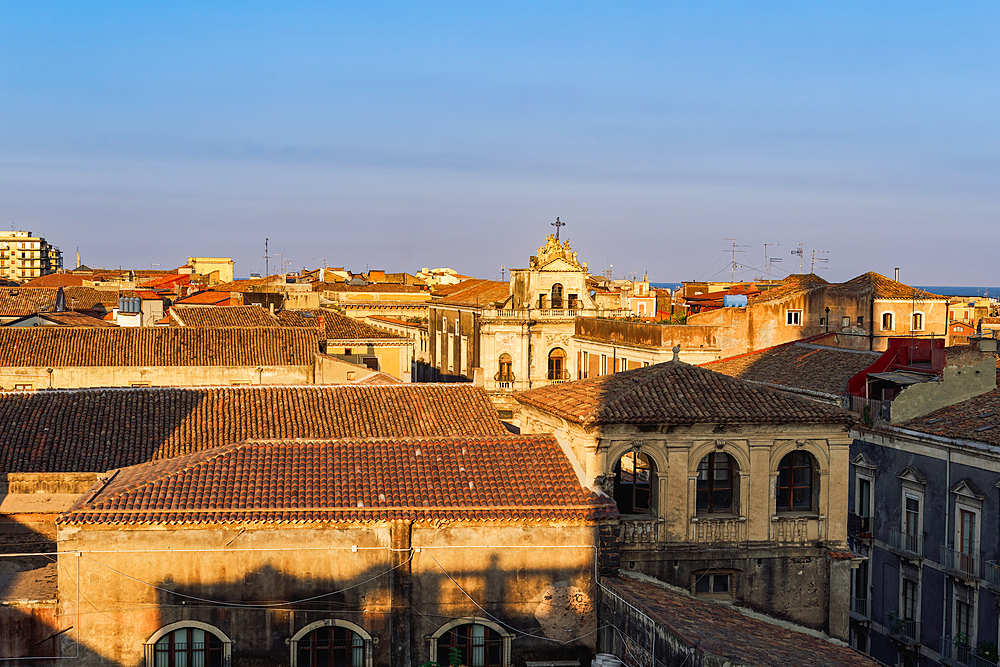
[400, 598]
[76, 377]
[958, 383]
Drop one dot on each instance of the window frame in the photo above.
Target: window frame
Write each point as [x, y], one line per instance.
[891, 318]
[367, 639]
[793, 317]
[617, 476]
[812, 488]
[506, 638]
[917, 318]
[710, 491]
[149, 646]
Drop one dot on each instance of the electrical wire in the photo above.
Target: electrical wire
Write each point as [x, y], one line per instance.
[244, 605]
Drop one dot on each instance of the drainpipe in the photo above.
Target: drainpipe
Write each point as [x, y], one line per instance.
[828, 319]
[871, 321]
[947, 516]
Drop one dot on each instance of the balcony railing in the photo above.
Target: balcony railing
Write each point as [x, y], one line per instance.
[958, 653]
[504, 380]
[859, 526]
[992, 573]
[873, 409]
[557, 376]
[860, 606]
[639, 531]
[960, 563]
[904, 629]
[905, 543]
[709, 529]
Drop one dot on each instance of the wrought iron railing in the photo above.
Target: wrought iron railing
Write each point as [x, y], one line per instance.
[504, 380]
[859, 526]
[959, 652]
[860, 606]
[557, 376]
[960, 563]
[906, 543]
[906, 629]
[992, 573]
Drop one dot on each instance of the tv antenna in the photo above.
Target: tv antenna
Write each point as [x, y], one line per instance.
[818, 260]
[767, 262]
[733, 265]
[267, 258]
[801, 253]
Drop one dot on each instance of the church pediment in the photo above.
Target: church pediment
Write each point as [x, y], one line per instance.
[553, 251]
[559, 265]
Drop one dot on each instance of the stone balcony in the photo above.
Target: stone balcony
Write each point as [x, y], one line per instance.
[715, 530]
[543, 314]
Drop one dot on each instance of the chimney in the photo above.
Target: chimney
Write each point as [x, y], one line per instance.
[897, 275]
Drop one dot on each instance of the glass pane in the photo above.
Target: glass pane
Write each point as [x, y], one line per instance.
[720, 583]
[722, 500]
[800, 499]
[703, 584]
[702, 499]
[801, 476]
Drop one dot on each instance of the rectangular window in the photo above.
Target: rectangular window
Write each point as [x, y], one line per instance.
[604, 364]
[22, 387]
[793, 317]
[909, 610]
[464, 352]
[713, 585]
[861, 320]
[138, 383]
[864, 497]
[911, 522]
[845, 321]
[624, 364]
[886, 321]
[963, 621]
[918, 321]
[585, 366]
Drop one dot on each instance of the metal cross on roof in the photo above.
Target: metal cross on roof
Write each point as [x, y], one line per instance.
[557, 225]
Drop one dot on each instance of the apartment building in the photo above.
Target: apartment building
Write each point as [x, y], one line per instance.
[24, 256]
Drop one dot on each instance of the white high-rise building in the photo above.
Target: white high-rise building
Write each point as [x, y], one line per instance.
[24, 256]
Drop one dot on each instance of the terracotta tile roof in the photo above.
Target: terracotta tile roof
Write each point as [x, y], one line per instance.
[212, 298]
[223, 316]
[168, 281]
[676, 393]
[95, 430]
[71, 318]
[788, 290]
[475, 292]
[296, 318]
[378, 379]
[464, 478]
[883, 288]
[798, 366]
[21, 301]
[342, 327]
[247, 284]
[62, 347]
[374, 288]
[734, 638]
[56, 280]
[976, 419]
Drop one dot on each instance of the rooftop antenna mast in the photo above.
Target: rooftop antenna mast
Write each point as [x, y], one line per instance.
[818, 260]
[267, 259]
[767, 262]
[733, 265]
[801, 253]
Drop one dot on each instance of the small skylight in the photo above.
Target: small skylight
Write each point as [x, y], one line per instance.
[985, 414]
[935, 420]
[985, 428]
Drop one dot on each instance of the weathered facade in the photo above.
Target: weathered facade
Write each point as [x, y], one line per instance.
[925, 512]
[326, 560]
[725, 488]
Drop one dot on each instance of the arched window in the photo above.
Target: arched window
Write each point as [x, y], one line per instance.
[505, 372]
[557, 296]
[794, 492]
[635, 482]
[557, 365]
[331, 643]
[886, 321]
[472, 644]
[188, 644]
[917, 322]
[717, 487]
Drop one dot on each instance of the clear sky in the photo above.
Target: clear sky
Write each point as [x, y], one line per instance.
[405, 135]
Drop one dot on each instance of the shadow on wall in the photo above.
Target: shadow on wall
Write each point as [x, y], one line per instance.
[393, 613]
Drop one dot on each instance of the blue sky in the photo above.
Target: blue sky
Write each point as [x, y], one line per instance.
[406, 135]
